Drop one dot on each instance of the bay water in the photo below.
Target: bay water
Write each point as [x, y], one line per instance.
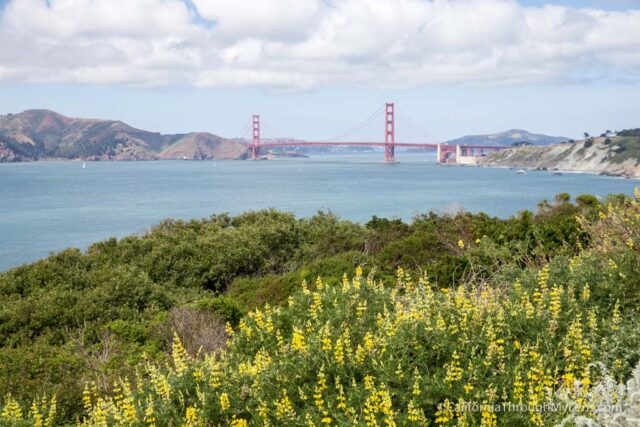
[48, 206]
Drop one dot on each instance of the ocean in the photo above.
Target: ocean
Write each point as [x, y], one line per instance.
[49, 206]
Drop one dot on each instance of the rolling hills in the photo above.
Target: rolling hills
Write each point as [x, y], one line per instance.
[42, 134]
[508, 137]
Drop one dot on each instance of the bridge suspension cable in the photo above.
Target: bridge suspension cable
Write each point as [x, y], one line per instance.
[421, 133]
[360, 126]
[244, 132]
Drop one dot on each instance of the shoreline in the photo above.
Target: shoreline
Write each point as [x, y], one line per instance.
[602, 173]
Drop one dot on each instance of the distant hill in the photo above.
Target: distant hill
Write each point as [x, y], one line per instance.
[508, 137]
[40, 134]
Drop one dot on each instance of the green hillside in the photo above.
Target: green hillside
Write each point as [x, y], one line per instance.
[40, 134]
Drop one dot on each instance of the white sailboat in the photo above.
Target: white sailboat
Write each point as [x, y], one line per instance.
[84, 165]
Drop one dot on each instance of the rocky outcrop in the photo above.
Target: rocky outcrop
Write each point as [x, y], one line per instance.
[618, 156]
[7, 155]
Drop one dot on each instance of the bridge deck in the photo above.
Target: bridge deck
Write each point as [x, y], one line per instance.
[366, 144]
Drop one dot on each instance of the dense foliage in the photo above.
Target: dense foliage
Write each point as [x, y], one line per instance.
[483, 311]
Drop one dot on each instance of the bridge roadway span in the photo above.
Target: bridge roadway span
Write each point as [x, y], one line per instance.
[366, 144]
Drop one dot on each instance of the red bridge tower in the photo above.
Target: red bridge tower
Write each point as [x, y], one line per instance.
[389, 134]
[255, 149]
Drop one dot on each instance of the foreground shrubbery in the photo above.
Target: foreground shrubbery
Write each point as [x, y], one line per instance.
[364, 353]
[489, 312]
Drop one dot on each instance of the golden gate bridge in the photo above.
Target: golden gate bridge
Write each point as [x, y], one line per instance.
[392, 138]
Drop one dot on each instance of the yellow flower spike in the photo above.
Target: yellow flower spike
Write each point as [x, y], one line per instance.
[361, 309]
[36, 415]
[368, 382]
[179, 355]
[454, 370]
[228, 329]
[284, 407]
[224, 402]
[53, 409]
[488, 417]
[149, 414]
[358, 272]
[192, 418]
[298, 341]
[316, 305]
[444, 414]
[415, 414]
[239, 422]
[86, 398]
[461, 244]
[616, 318]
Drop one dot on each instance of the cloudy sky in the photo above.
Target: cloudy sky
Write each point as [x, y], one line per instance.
[312, 68]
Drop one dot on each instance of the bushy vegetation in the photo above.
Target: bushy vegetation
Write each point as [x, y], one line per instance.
[630, 132]
[625, 147]
[453, 311]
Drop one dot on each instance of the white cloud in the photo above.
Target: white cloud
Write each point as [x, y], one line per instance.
[304, 43]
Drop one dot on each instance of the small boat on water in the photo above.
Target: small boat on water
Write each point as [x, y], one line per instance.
[521, 172]
[84, 165]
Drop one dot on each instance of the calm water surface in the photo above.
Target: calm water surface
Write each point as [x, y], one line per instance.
[48, 206]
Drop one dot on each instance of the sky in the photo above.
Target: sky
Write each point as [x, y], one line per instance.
[314, 68]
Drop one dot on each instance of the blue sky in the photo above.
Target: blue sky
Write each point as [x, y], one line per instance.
[457, 67]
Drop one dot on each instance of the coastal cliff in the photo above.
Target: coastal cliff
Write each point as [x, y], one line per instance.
[616, 155]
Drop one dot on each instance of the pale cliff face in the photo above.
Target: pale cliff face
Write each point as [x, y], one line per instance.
[619, 157]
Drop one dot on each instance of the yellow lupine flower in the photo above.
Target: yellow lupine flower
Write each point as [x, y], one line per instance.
[239, 422]
[12, 410]
[297, 341]
[415, 414]
[53, 408]
[179, 355]
[444, 414]
[454, 370]
[36, 415]
[284, 407]
[86, 398]
[488, 417]
[616, 319]
[191, 417]
[229, 329]
[224, 401]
